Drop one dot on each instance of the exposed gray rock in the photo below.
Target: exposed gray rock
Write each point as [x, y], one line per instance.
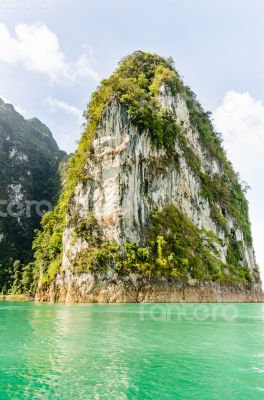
[129, 178]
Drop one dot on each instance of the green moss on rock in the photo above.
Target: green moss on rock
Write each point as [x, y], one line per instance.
[175, 248]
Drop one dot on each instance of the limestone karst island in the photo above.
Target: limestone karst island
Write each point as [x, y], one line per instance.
[148, 208]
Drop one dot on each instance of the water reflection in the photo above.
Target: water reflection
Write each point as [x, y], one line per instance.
[111, 352]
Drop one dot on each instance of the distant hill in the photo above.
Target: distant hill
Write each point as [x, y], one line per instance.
[29, 180]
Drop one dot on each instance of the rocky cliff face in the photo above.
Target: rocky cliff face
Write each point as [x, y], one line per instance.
[29, 158]
[152, 212]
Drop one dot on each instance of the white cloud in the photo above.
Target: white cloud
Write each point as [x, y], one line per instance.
[55, 104]
[37, 48]
[82, 68]
[240, 118]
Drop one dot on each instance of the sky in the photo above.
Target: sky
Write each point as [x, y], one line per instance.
[53, 54]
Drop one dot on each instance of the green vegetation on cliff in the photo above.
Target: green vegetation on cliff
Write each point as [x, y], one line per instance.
[135, 85]
[175, 247]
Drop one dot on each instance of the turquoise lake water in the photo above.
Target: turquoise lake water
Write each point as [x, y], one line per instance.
[131, 351]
